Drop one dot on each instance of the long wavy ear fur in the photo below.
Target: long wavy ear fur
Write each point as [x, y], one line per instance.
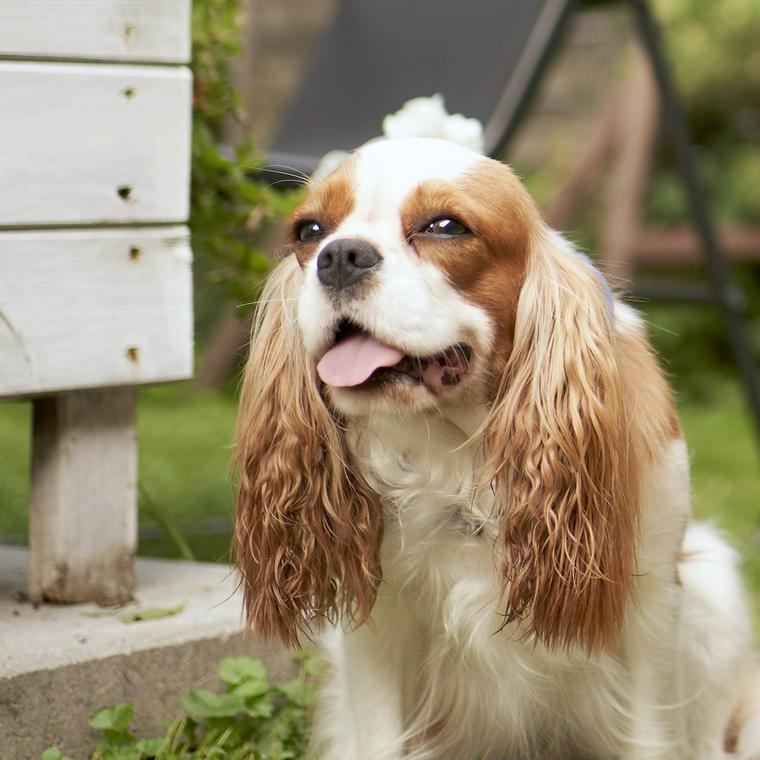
[558, 442]
[307, 529]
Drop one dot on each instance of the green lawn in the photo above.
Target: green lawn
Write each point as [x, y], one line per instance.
[726, 477]
[184, 450]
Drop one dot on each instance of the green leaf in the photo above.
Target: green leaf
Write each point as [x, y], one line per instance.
[118, 738]
[310, 661]
[251, 689]
[152, 613]
[298, 692]
[235, 670]
[208, 704]
[259, 708]
[119, 753]
[116, 718]
[151, 747]
[51, 753]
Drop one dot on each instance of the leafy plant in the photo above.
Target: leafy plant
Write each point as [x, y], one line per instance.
[231, 210]
[715, 62]
[250, 719]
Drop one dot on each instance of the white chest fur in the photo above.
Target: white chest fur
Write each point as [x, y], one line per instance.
[437, 624]
[437, 522]
[441, 584]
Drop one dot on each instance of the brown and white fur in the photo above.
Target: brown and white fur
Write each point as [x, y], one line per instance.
[502, 566]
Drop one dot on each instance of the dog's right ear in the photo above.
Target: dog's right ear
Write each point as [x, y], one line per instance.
[559, 442]
[307, 528]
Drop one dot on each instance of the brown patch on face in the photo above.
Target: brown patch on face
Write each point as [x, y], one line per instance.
[329, 203]
[487, 266]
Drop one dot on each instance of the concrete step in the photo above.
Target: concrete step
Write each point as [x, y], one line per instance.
[61, 663]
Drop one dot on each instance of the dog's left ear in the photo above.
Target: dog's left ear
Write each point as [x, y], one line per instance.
[307, 528]
[558, 445]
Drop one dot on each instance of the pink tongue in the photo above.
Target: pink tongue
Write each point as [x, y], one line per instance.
[354, 359]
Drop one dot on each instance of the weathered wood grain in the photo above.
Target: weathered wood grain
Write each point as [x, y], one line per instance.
[90, 308]
[83, 511]
[149, 31]
[90, 144]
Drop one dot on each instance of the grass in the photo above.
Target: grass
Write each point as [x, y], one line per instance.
[184, 451]
[15, 436]
[726, 477]
[184, 438]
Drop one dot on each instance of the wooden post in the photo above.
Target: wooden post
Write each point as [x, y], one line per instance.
[584, 173]
[637, 129]
[83, 513]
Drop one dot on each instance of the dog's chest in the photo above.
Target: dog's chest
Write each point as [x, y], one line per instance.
[440, 560]
[439, 527]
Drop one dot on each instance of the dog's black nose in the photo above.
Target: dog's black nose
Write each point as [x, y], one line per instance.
[344, 262]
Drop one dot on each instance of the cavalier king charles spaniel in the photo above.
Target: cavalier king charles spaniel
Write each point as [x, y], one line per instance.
[462, 470]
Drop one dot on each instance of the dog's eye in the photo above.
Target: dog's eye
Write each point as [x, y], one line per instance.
[309, 231]
[445, 227]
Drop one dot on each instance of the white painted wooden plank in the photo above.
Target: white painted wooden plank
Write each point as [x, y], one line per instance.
[90, 308]
[148, 31]
[82, 144]
[83, 508]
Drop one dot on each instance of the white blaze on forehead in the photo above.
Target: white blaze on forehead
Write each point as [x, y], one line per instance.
[387, 171]
[417, 158]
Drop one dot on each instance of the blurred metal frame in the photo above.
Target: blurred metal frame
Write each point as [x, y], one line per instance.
[724, 293]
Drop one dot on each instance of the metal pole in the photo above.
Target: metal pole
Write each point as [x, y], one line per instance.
[728, 296]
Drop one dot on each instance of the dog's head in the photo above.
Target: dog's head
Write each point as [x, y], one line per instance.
[412, 254]
[421, 276]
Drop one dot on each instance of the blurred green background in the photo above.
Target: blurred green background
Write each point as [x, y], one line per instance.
[185, 430]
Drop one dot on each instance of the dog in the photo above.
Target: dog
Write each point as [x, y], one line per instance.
[462, 470]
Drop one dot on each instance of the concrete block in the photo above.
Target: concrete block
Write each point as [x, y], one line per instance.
[61, 663]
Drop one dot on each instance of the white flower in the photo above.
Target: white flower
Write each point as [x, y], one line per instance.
[428, 117]
[418, 117]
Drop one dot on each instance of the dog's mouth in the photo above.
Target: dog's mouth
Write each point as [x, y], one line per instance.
[358, 360]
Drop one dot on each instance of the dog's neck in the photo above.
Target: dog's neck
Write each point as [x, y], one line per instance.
[457, 423]
[429, 461]
[438, 526]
